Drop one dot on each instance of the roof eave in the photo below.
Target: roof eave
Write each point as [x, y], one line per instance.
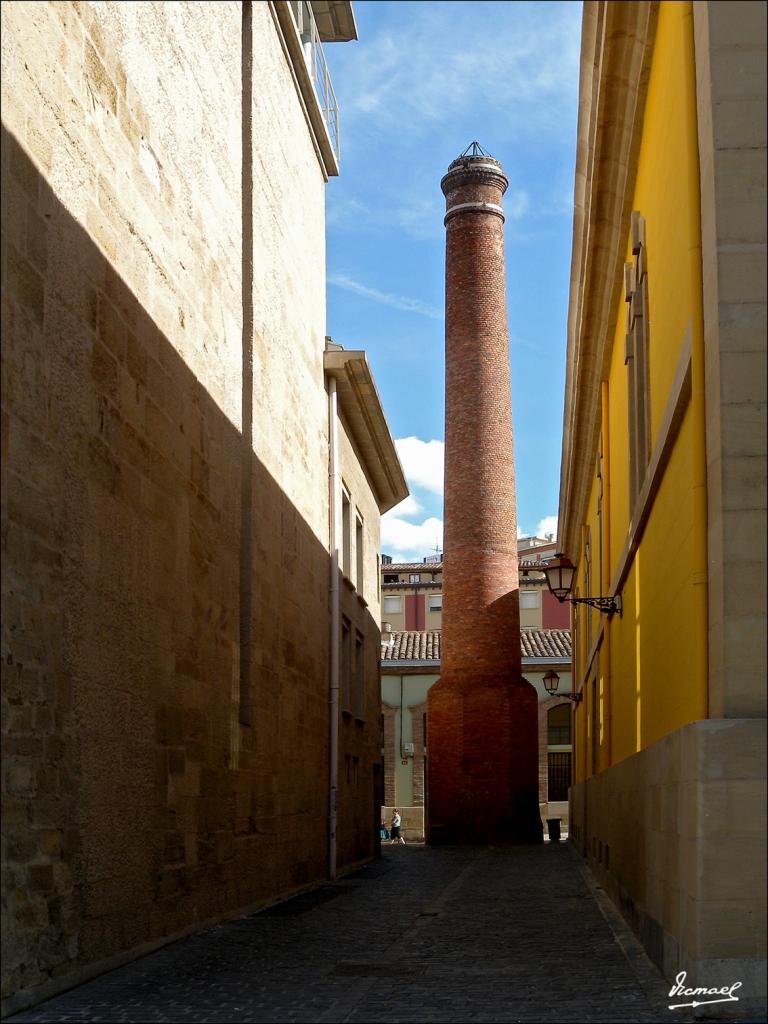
[335, 20]
[360, 403]
[545, 659]
[411, 663]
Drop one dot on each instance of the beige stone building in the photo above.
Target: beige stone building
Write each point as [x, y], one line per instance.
[190, 612]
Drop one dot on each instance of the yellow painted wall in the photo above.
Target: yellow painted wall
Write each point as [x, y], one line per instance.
[651, 670]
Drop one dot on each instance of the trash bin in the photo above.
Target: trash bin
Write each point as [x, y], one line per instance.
[553, 827]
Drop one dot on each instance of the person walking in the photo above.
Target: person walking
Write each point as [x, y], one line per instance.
[395, 828]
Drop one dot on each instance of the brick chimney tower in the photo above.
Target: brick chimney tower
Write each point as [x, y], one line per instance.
[482, 716]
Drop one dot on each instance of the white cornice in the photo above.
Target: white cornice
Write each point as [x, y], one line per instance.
[617, 43]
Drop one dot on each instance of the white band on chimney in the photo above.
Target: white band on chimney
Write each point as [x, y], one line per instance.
[480, 207]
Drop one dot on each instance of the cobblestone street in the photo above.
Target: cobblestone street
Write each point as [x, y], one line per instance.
[451, 934]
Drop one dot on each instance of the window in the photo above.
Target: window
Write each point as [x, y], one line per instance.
[390, 577]
[559, 725]
[435, 602]
[352, 765]
[346, 540]
[346, 667]
[636, 357]
[559, 774]
[414, 578]
[359, 552]
[529, 599]
[392, 605]
[359, 676]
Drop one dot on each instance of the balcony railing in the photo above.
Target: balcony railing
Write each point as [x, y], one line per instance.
[317, 67]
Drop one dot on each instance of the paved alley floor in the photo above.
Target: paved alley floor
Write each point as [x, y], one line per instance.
[451, 934]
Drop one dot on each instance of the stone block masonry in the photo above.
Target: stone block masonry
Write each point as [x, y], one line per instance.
[137, 806]
[482, 715]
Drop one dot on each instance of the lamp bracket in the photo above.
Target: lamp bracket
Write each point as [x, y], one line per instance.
[575, 697]
[608, 605]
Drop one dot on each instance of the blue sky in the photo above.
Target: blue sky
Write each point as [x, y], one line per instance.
[423, 81]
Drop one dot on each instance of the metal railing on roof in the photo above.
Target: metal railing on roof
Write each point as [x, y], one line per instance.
[318, 68]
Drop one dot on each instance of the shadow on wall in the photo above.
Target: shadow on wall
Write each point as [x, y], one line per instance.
[136, 804]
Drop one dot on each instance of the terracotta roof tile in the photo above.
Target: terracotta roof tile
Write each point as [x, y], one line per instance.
[412, 567]
[413, 645]
[545, 643]
[424, 645]
[524, 563]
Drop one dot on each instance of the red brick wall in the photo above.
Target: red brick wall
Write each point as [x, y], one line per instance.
[390, 754]
[417, 726]
[554, 615]
[414, 611]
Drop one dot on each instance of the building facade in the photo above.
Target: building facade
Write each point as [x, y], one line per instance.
[412, 595]
[190, 613]
[410, 665]
[663, 498]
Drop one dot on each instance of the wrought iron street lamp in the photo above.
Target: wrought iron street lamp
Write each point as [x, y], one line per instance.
[551, 683]
[560, 572]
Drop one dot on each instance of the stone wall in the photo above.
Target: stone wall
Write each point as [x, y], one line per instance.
[138, 805]
[676, 836]
[359, 741]
[732, 105]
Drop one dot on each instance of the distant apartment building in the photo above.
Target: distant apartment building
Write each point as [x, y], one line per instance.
[190, 613]
[412, 594]
[412, 597]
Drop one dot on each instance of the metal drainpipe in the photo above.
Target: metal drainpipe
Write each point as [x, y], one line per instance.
[333, 701]
[402, 749]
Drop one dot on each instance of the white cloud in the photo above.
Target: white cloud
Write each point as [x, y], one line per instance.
[421, 216]
[402, 302]
[345, 210]
[408, 507]
[410, 542]
[516, 205]
[422, 462]
[518, 341]
[547, 525]
[527, 77]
